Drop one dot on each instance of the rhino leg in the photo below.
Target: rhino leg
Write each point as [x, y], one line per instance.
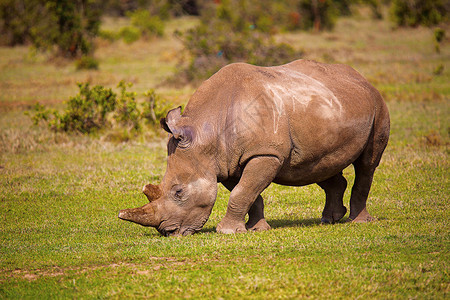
[358, 199]
[334, 188]
[257, 175]
[365, 167]
[256, 220]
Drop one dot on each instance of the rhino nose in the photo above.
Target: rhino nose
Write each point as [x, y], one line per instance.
[121, 214]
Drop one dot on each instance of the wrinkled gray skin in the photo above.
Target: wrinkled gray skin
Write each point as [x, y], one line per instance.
[248, 126]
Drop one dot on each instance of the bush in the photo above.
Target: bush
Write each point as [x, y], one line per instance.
[317, 14]
[68, 25]
[127, 113]
[17, 19]
[108, 35]
[418, 12]
[147, 24]
[154, 108]
[99, 108]
[64, 25]
[87, 62]
[142, 25]
[129, 34]
[225, 36]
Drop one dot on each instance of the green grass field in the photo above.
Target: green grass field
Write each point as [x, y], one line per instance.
[60, 194]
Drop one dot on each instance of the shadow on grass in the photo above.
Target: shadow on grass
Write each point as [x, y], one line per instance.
[280, 223]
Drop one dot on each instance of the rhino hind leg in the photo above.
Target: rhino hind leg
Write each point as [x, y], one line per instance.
[257, 175]
[360, 193]
[365, 167]
[334, 188]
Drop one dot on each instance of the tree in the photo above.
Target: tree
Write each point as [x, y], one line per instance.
[67, 25]
[418, 12]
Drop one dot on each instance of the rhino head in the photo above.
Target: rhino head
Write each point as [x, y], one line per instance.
[182, 203]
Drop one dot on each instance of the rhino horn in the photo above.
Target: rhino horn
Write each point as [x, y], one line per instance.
[152, 192]
[144, 215]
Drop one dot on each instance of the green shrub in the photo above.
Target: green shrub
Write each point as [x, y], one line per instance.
[68, 25]
[98, 108]
[129, 34]
[439, 35]
[65, 25]
[230, 37]
[317, 14]
[418, 12]
[87, 62]
[17, 18]
[154, 108]
[108, 35]
[86, 112]
[148, 25]
[127, 113]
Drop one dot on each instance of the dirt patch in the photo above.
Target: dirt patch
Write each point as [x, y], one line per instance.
[154, 264]
[25, 105]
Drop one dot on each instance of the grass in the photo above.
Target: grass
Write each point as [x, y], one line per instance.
[60, 194]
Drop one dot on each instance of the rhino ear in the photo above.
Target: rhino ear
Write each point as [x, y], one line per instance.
[170, 124]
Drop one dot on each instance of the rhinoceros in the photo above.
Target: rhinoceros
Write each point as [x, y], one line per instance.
[248, 126]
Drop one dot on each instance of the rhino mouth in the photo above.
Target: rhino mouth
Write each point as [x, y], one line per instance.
[176, 231]
[169, 231]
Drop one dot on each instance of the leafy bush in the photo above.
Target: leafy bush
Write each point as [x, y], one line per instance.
[143, 24]
[154, 108]
[129, 34]
[108, 35]
[418, 12]
[17, 19]
[317, 14]
[127, 113]
[68, 25]
[87, 62]
[97, 108]
[147, 24]
[439, 35]
[225, 36]
[271, 16]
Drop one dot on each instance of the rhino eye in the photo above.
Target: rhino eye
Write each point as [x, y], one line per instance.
[178, 192]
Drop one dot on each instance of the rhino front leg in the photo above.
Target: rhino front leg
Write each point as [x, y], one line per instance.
[256, 220]
[258, 174]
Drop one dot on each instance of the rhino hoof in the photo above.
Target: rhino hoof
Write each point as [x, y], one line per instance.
[230, 227]
[261, 225]
[326, 221]
[363, 217]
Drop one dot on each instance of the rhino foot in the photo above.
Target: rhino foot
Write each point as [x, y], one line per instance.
[261, 225]
[363, 217]
[229, 227]
[335, 216]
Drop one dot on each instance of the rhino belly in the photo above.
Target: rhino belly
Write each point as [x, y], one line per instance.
[304, 167]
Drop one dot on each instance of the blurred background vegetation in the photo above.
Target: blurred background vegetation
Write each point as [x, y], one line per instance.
[229, 30]
[220, 32]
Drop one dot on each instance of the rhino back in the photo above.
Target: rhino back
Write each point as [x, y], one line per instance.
[315, 118]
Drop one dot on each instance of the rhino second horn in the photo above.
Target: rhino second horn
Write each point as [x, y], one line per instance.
[152, 192]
